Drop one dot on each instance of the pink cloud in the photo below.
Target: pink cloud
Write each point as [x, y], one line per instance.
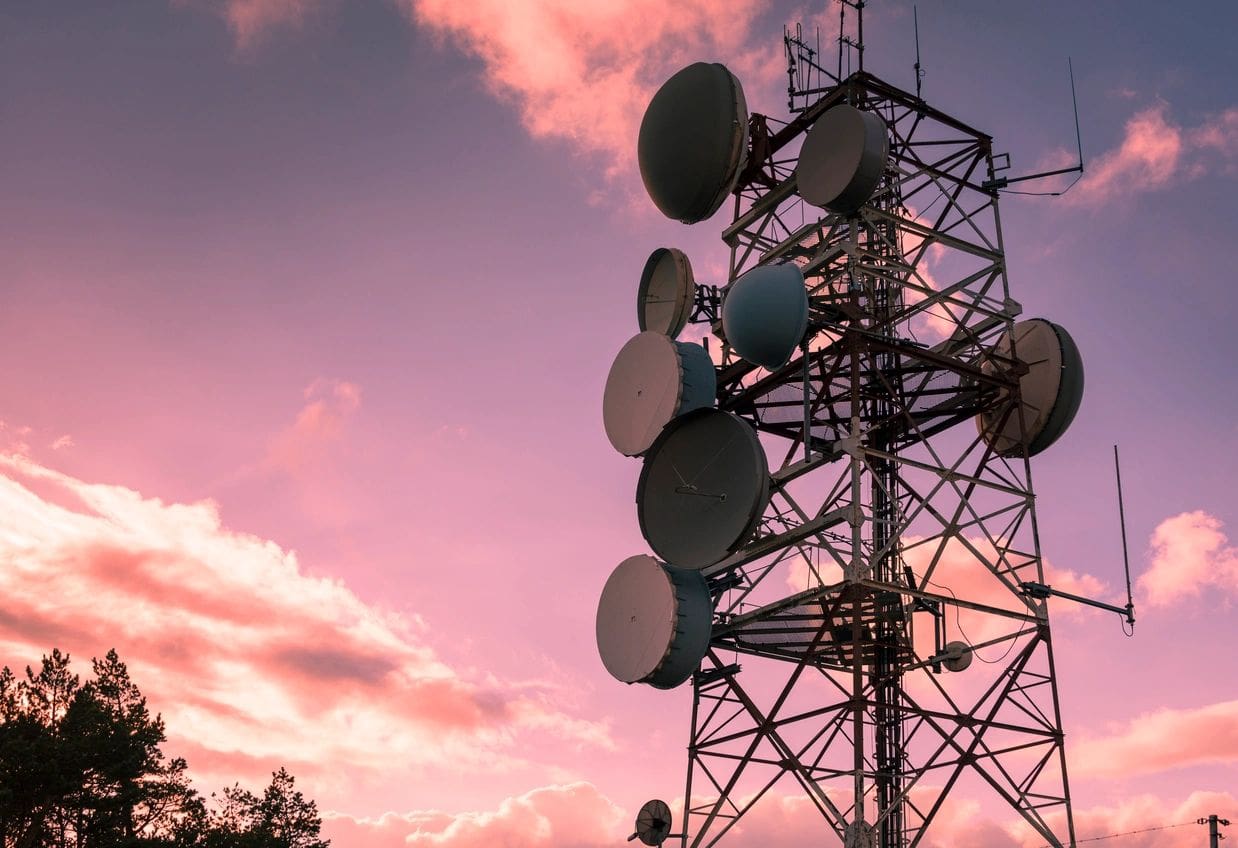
[580, 73]
[1141, 821]
[1076, 583]
[965, 822]
[963, 569]
[21, 438]
[1148, 157]
[1160, 740]
[319, 424]
[14, 438]
[584, 72]
[1190, 553]
[1156, 153]
[572, 815]
[579, 815]
[252, 660]
[1219, 134]
[252, 20]
[1152, 822]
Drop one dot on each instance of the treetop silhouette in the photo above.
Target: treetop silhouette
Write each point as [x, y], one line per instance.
[81, 767]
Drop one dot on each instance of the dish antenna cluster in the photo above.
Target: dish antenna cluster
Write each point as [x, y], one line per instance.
[845, 561]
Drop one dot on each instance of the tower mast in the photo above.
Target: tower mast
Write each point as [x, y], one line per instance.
[878, 637]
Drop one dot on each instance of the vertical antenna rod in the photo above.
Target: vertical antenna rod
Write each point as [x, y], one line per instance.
[1042, 591]
[1126, 561]
[859, 33]
[842, 30]
[915, 16]
[1074, 101]
[856, 44]
[999, 183]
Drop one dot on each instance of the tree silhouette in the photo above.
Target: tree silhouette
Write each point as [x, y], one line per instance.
[281, 818]
[81, 767]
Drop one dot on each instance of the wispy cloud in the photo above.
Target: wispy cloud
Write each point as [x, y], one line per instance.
[584, 72]
[251, 21]
[319, 424]
[1219, 134]
[1156, 153]
[579, 73]
[1161, 740]
[252, 660]
[15, 438]
[1148, 157]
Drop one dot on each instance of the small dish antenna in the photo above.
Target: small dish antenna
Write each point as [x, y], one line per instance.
[1051, 390]
[653, 622]
[653, 380]
[957, 656]
[843, 158]
[667, 291]
[653, 823]
[765, 314]
[693, 141]
[703, 488]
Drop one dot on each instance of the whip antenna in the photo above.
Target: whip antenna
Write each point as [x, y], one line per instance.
[1126, 562]
[915, 16]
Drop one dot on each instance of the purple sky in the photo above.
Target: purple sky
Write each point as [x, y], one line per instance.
[344, 279]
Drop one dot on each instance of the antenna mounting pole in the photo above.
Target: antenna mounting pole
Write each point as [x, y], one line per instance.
[1126, 561]
[857, 43]
[998, 183]
[1074, 101]
[1041, 591]
[915, 16]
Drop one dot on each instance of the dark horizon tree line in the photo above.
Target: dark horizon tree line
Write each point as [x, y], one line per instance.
[81, 767]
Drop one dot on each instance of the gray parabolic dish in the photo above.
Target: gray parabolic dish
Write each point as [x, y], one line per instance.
[654, 822]
[653, 380]
[702, 489]
[958, 656]
[667, 290]
[842, 159]
[1052, 389]
[653, 622]
[765, 314]
[693, 141]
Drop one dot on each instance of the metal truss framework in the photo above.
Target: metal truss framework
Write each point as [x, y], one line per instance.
[885, 491]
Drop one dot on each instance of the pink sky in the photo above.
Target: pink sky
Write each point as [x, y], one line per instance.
[306, 314]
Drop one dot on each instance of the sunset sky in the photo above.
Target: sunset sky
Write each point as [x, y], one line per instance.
[306, 308]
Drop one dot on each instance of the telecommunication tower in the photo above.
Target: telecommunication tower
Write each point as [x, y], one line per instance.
[846, 564]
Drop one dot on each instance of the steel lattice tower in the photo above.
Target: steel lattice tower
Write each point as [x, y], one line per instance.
[883, 474]
[888, 422]
[899, 541]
